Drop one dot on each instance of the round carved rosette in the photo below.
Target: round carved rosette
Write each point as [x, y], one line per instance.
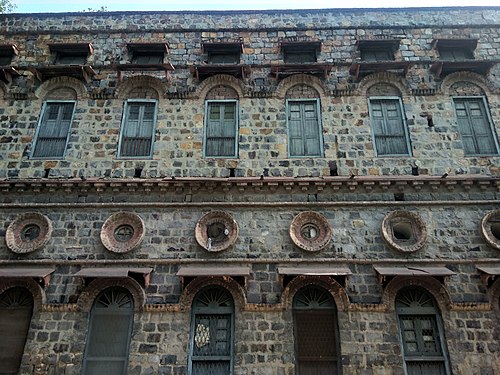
[404, 231]
[28, 232]
[490, 228]
[310, 231]
[122, 232]
[216, 231]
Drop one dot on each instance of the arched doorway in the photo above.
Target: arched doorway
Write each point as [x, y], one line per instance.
[421, 329]
[212, 333]
[16, 309]
[110, 328]
[317, 346]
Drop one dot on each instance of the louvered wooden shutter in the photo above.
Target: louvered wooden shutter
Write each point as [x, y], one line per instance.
[474, 126]
[388, 127]
[53, 130]
[138, 127]
[221, 129]
[303, 128]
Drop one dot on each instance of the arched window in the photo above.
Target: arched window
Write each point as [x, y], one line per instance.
[212, 333]
[421, 329]
[16, 309]
[110, 329]
[317, 346]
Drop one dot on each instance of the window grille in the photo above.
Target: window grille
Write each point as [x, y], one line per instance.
[16, 309]
[212, 332]
[53, 130]
[475, 127]
[316, 334]
[421, 333]
[110, 329]
[221, 129]
[304, 128]
[138, 129]
[389, 128]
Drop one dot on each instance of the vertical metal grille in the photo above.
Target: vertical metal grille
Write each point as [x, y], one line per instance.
[211, 368]
[109, 334]
[16, 309]
[316, 342]
[425, 368]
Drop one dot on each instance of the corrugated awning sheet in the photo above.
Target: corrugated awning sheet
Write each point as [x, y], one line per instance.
[490, 270]
[315, 271]
[413, 271]
[25, 272]
[213, 271]
[112, 272]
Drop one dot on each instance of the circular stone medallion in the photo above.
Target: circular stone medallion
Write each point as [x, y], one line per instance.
[490, 228]
[216, 231]
[122, 232]
[310, 231]
[28, 232]
[404, 231]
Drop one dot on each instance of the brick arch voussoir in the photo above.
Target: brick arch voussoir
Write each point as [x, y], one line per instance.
[495, 296]
[469, 77]
[129, 84]
[62, 82]
[88, 296]
[228, 283]
[220, 79]
[39, 297]
[333, 287]
[383, 77]
[300, 79]
[429, 283]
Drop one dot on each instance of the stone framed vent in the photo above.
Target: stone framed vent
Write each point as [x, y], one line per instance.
[490, 228]
[404, 231]
[310, 231]
[29, 232]
[216, 231]
[122, 232]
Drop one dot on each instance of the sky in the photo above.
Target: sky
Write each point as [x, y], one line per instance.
[43, 6]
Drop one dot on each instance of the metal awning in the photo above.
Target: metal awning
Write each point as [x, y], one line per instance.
[196, 270]
[315, 271]
[115, 272]
[387, 271]
[39, 274]
[488, 273]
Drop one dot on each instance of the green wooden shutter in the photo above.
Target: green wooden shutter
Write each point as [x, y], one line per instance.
[474, 126]
[16, 309]
[109, 333]
[221, 129]
[389, 128]
[212, 331]
[303, 129]
[53, 130]
[138, 129]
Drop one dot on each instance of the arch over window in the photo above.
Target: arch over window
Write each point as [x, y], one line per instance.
[317, 345]
[211, 345]
[16, 309]
[421, 333]
[110, 328]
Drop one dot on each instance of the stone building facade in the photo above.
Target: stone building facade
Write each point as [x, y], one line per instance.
[250, 193]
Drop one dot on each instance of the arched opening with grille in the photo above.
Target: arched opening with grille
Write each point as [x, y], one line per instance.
[111, 320]
[16, 309]
[421, 332]
[211, 348]
[317, 345]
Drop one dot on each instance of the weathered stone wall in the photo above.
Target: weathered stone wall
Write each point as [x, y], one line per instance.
[349, 185]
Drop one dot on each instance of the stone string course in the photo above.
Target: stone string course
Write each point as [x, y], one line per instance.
[349, 185]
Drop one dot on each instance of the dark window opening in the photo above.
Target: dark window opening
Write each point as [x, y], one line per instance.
[403, 231]
[456, 54]
[377, 54]
[147, 57]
